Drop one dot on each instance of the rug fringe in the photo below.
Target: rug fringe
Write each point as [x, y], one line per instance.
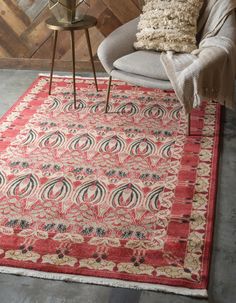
[70, 77]
[201, 293]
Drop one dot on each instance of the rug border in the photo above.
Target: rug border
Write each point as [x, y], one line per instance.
[214, 194]
[197, 293]
[15, 104]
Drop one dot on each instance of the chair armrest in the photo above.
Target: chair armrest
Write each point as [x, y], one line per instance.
[118, 44]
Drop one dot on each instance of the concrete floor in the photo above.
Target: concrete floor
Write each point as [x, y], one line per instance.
[16, 289]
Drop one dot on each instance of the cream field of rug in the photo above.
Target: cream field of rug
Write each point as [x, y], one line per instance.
[122, 199]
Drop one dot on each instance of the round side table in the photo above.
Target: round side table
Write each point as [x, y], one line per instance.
[85, 24]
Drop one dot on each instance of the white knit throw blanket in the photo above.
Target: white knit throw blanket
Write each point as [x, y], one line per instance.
[209, 72]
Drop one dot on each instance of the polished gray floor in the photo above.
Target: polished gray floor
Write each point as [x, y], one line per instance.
[16, 289]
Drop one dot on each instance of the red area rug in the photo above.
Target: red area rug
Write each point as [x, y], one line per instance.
[122, 199]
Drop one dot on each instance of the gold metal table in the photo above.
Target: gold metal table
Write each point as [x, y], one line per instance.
[85, 24]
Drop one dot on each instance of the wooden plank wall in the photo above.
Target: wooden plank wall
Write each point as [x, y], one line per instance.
[25, 42]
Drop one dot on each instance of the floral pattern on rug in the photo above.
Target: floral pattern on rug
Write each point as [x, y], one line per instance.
[122, 195]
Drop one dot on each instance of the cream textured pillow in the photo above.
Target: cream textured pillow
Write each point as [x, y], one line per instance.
[168, 25]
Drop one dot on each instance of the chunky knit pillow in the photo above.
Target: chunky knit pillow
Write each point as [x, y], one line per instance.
[168, 25]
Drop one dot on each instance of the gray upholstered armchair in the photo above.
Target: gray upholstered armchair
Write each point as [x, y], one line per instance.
[142, 68]
[121, 61]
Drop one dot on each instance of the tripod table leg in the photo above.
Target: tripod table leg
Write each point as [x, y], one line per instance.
[91, 57]
[73, 64]
[53, 60]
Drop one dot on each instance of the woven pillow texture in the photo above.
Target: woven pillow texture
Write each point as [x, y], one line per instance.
[168, 25]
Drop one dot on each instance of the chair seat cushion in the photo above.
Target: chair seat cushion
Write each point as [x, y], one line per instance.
[144, 63]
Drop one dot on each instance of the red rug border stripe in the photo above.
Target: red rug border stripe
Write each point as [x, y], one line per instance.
[214, 192]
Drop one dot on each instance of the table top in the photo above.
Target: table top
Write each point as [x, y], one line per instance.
[87, 22]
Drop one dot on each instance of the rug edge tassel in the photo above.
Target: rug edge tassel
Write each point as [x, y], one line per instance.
[201, 293]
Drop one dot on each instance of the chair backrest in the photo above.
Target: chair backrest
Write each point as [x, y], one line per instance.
[213, 16]
[200, 28]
